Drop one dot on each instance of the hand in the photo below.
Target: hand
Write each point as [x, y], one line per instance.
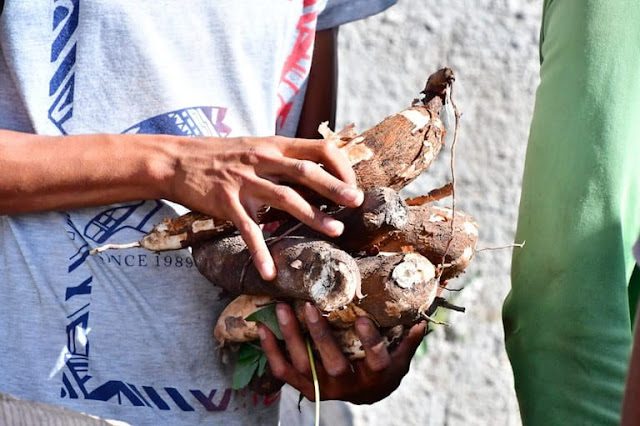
[232, 178]
[360, 382]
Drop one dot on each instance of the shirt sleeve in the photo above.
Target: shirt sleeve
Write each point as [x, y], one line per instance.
[567, 318]
[339, 12]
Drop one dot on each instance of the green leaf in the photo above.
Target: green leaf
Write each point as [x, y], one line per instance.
[267, 316]
[248, 351]
[246, 365]
[262, 364]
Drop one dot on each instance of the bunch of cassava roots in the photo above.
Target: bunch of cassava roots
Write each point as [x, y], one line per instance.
[392, 261]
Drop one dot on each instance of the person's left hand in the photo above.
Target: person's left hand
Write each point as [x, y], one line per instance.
[360, 382]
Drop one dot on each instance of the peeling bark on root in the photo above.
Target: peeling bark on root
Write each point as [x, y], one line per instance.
[185, 231]
[428, 232]
[232, 326]
[382, 211]
[397, 289]
[401, 148]
[308, 269]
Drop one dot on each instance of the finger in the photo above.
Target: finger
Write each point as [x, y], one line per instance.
[287, 199]
[409, 344]
[325, 152]
[333, 360]
[296, 344]
[280, 367]
[252, 236]
[312, 175]
[377, 357]
[252, 206]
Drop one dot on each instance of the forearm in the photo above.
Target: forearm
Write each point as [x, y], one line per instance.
[40, 173]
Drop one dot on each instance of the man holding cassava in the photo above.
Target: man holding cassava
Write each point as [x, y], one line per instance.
[107, 108]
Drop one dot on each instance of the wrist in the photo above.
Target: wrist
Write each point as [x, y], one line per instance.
[161, 163]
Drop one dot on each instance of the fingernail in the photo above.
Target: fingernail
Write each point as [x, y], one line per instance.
[333, 226]
[354, 195]
[283, 315]
[262, 333]
[311, 313]
[268, 270]
[362, 326]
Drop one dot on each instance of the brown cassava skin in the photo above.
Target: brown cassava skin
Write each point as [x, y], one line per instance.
[403, 149]
[308, 269]
[382, 211]
[400, 150]
[397, 287]
[385, 223]
[392, 299]
[428, 232]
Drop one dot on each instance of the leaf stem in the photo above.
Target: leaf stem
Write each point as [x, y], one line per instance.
[316, 385]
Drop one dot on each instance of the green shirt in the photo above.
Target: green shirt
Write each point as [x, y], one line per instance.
[567, 318]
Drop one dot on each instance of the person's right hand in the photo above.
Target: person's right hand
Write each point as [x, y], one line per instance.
[232, 178]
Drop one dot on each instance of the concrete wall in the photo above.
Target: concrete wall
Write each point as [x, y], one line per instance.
[464, 377]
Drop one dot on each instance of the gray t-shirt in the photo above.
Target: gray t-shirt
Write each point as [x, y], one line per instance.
[128, 334]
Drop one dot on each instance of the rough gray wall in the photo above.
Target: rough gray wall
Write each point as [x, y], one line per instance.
[464, 377]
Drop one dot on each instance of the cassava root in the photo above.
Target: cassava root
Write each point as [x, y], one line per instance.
[391, 262]
[308, 269]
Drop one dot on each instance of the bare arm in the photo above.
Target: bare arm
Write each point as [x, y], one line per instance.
[41, 173]
[228, 178]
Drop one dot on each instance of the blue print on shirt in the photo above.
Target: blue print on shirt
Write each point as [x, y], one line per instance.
[107, 223]
[199, 121]
[195, 121]
[63, 59]
[76, 380]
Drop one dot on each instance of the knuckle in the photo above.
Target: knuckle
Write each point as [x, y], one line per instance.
[225, 198]
[372, 341]
[250, 156]
[285, 194]
[244, 226]
[279, 141]
[330, 149]
[335, 188]
[305, 168]
[304, 368]
[309, 216]
[279, 371]
[320, 334]
[379, 364]
[338, 370]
